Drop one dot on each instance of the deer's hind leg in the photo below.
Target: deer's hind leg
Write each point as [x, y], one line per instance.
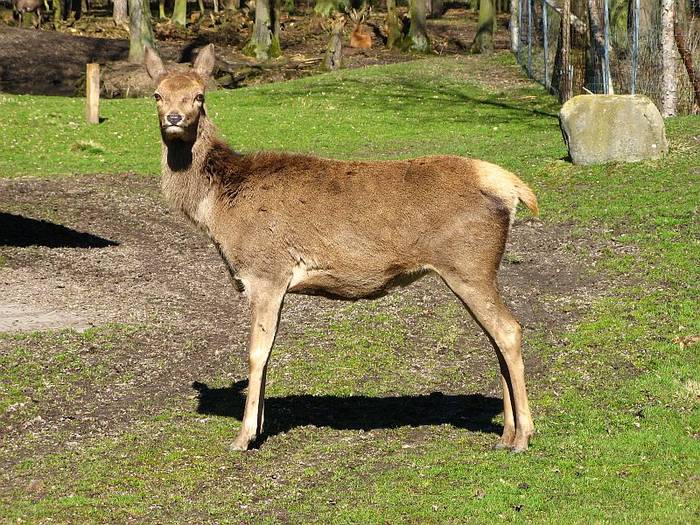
[482, 299]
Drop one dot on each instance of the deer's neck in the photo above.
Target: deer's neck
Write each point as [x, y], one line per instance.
[185, 184]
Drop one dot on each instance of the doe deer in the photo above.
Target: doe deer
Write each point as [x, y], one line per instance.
[287, 223]
[29, 6]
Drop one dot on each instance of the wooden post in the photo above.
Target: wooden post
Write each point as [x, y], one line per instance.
[92, 93]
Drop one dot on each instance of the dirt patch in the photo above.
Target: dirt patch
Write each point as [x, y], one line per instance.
[44, 62]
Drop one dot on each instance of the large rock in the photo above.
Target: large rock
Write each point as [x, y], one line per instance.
[606, 128]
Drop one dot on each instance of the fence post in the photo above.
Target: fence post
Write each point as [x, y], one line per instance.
[92, 93]
[607, 81]
[520, 31]
[635, 47]
[545, 38]
[530, 4]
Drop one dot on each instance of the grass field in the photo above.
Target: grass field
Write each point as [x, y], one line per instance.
[616, 402]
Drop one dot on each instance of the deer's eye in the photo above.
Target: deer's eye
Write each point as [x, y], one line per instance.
[157, 97]
[199, 98]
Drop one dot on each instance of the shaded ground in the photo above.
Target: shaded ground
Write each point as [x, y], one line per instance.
[103, 249]
[47, 62]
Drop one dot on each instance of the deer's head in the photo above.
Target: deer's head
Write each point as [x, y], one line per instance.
[180, 95]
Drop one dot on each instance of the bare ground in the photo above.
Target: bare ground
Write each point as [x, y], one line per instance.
[90, 250]
[47, 62]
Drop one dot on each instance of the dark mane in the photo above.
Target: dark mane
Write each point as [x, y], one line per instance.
[231, 170]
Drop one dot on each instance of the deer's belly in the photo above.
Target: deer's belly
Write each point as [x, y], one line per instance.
[350, 285]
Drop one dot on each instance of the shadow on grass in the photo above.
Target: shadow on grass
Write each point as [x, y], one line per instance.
[474, 412]
[431, 101]
[20, 231]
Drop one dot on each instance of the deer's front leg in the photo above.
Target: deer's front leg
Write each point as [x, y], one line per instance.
[266, 304]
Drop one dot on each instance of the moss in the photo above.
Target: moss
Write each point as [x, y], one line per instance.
[275, 48]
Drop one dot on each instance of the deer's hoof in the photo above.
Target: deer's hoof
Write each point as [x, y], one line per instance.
[502, 445]
[240, 444]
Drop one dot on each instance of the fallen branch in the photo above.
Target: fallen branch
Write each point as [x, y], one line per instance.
[578, 24]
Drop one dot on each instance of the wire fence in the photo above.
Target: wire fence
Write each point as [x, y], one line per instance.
[631, 59]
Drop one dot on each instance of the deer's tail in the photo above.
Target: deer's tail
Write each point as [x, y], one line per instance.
[507, 186]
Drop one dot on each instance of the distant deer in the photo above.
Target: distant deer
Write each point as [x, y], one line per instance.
[360, 37]
[29, 6]
[286, 223]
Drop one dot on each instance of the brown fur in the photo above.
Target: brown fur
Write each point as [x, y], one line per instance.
[360, 37]
[29, 6]
[347, 229]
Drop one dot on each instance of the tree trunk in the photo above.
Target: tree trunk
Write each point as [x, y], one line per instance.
[597, 68]
[140, 29]
[565, 88]
[265, 41]
[669, 60]
[435, 8]
[180, 13]
[483, 41]
[161, 9]
[119, 11]
[514, 26]
[417, 34]
[394, 36]
[58, 8]
[334, 52]
[687, 58]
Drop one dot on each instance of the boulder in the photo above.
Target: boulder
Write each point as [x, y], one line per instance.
[607, 128]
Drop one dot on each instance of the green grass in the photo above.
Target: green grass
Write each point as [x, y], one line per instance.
[617, 413]
[380, 112]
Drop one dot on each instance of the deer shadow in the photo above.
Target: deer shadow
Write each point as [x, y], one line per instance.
[473, 412]
[21, 231]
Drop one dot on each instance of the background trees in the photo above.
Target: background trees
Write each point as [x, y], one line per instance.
[140, 29]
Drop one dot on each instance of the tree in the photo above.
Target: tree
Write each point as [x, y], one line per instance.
[325, 8]
[514, 26]
[119, 13]
[394, 36]
[669, 60]
[564, 48]
[180, 12]
[140, 29]
[417, 33]
[483, 41]
[598, 68]
[265, 40]
[57, 10]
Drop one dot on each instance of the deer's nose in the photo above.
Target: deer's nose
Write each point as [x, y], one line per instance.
[174, 118]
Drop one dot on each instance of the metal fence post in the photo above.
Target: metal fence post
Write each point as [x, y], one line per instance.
[530, 5]
[520, 26]
[607, 81]
[635, 47]
[545, 31]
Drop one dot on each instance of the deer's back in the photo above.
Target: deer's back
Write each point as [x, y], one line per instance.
[380, 220]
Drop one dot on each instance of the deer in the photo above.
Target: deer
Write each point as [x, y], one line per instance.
[344, 229]
[29, 6]
[360, 37]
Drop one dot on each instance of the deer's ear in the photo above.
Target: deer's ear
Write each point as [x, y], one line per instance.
[154, 65]
[205, 61]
